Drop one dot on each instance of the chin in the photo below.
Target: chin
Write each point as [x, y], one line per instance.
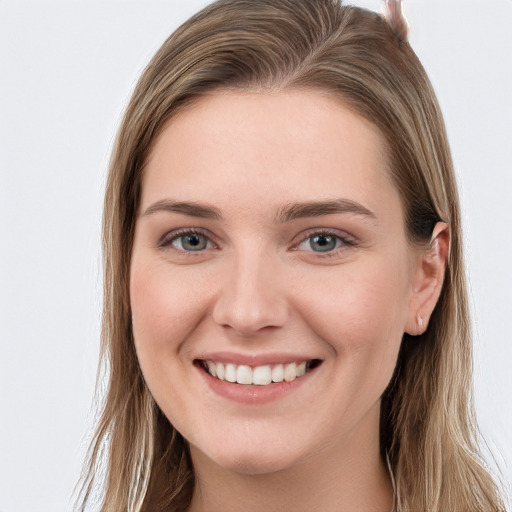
[254, 466]
[247, 461]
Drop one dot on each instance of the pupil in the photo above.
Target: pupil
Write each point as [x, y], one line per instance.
[193, 242]
[323, 243]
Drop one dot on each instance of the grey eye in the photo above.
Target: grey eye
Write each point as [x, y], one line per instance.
[191, 242]
[323, 243]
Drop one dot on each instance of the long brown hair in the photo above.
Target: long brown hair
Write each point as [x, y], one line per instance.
[428, 431]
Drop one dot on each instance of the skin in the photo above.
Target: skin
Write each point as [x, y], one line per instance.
[260, 286]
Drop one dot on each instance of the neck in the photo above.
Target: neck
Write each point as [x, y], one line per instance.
[348, 477]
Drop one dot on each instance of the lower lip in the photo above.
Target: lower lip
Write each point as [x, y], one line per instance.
[253, 394]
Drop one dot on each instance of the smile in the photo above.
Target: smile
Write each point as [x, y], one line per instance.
[264, 375]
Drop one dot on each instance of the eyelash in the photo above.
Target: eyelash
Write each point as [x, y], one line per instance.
[167, 240]
[342, 241]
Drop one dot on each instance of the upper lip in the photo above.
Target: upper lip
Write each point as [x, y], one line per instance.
[255, 360]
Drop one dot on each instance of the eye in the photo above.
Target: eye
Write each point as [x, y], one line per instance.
[187, 241]
[323, 242]
[191, 242]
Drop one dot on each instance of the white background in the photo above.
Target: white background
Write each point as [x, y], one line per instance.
[66, 71]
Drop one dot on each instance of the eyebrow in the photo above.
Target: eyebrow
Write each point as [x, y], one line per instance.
[190, 208]
[287, 213]
[318, 208]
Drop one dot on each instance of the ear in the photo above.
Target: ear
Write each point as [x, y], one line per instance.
[428, 280]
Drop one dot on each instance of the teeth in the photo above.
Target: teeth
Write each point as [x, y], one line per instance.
[290, 372]
[219, 370]
[262, 375]
[278, 373]
[259, 375]
[244, 374]
[212, 368]
[230, 373]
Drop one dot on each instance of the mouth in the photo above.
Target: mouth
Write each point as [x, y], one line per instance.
[263, 375]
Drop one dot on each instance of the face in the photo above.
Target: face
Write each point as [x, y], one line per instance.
[271, 279]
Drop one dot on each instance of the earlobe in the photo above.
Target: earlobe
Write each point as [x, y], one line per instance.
[428, 280]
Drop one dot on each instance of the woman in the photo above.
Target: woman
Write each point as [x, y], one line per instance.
[285, 311]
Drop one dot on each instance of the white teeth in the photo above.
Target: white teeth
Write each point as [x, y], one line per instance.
[278, 373]
[290, 372]
[219, 370]
[262, 375]
[230, 373]
[259, 375]
[244, 374]
[212, 368]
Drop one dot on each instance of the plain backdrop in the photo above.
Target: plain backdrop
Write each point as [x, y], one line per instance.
[66, 71]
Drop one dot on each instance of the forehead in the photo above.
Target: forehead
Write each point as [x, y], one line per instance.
[253, 149]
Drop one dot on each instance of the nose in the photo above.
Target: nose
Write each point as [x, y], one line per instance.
[251, 297]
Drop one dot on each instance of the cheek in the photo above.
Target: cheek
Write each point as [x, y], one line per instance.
[362, 299]
[166, 310]
[361, 314]
[165, 307]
